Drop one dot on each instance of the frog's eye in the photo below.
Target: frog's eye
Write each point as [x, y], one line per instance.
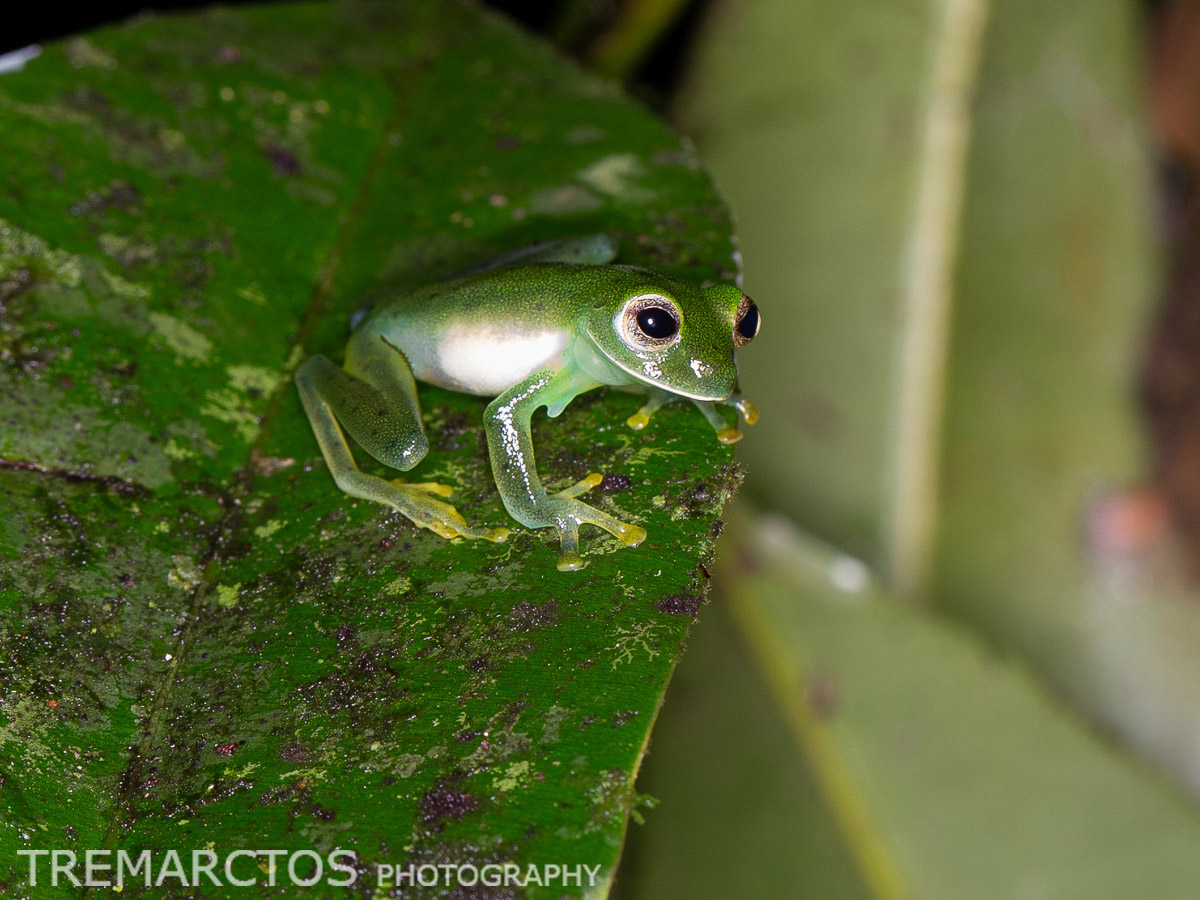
[747, 323]
[657, 322]
[650, 322]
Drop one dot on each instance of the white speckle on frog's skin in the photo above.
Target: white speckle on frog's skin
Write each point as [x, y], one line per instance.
[700, 368]
[16, 60]
[485, 360]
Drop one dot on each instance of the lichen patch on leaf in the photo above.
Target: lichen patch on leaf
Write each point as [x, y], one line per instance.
[188, 343]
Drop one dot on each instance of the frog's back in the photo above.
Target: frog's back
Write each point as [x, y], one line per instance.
[484, 333]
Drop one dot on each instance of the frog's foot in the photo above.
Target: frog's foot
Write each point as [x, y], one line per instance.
[574, 513]
[569, 559]
[729, 435]
[726, 433]
[641, 418]
[417, 502]
[638, 420]
[747, 409]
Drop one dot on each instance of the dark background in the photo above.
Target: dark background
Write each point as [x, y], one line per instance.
[654, 81]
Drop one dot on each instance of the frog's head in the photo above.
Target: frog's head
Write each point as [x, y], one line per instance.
[673, 335]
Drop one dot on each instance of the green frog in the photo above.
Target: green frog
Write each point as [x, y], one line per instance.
[534, 329]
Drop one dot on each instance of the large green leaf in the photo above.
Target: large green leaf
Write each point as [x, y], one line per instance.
[204, 642]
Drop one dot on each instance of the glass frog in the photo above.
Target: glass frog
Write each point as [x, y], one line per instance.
[533, 329]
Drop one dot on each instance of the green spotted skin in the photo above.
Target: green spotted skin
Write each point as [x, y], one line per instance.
[536, 329]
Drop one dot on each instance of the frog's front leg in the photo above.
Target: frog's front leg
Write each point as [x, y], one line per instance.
[507, 422]
[725, 433]
[374, 399]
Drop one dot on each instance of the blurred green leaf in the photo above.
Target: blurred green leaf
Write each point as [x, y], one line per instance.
[951, 329]
[1036, 542]
[205, 643]
[949, 770]
[841, 151]
[739, 812]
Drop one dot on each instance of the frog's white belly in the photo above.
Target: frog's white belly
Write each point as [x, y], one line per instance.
[485, 361]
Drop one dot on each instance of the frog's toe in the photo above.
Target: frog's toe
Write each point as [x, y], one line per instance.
[441, 518]
[570, 562]
[442, 530]
[747, 410]
[425, 487]
[631, 535]
[472, 533]
[627, 534]
[729, 435]
[638, 421]
[497, 535]
[591, 480]
[432, 487]
[569, 559]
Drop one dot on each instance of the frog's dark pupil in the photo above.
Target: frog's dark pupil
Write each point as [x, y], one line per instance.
[656, 322]
[748, 326]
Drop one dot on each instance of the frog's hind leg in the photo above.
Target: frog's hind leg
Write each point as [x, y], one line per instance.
[374, 399]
